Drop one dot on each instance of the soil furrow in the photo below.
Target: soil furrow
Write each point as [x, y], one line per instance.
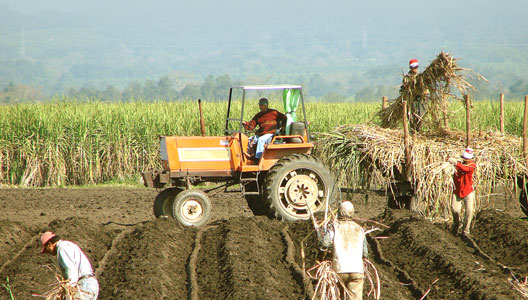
[296, 270]
[214, 274]
[33, 240]
[392, 277]
[503, 238]
[194, 288]
[427, 253]
[112, 251]
[257, 257]
[149, 263]
[15, 238]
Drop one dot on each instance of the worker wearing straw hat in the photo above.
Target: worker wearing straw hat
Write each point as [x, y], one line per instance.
[73, 263]
[350, 246]
[464, 191]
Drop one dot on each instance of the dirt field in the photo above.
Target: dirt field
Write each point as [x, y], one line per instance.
[242, 256]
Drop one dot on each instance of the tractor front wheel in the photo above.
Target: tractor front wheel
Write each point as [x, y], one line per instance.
[164, 201]
[192, 208]
[298, 185]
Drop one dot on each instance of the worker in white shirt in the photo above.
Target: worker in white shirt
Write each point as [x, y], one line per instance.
[349, 248]
[73, 263]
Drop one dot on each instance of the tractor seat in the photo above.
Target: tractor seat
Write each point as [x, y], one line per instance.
[296, 128]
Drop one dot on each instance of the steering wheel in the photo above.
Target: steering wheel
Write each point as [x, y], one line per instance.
[248, 131]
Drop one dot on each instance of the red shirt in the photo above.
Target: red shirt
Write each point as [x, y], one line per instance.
[463, 179]
[267, 121]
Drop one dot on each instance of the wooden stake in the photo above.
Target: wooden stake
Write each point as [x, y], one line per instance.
[444, 112]
[384, 102]
[413, 204]
[446, 124]
[525, 128]
[502, 113]
[406, 142]
[202, 121]
[468, 121]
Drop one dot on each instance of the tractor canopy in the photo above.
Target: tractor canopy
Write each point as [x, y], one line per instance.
[291, 98]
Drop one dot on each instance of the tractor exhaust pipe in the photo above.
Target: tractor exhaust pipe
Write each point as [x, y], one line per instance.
[202, 121]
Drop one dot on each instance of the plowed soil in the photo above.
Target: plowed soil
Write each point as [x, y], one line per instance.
[238, 255]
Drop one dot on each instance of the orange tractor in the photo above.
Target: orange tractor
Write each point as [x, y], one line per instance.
[287, 181]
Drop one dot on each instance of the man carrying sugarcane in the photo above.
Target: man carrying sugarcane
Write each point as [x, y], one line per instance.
[463, 192]
[417, 107]
[350, 246]
[74, 265]
[269, 122]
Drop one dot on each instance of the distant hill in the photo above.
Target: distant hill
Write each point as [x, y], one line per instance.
[338, 47]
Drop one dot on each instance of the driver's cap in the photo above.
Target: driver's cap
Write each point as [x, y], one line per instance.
[263, 101]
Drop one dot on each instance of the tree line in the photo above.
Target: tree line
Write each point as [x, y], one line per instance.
[215, 88]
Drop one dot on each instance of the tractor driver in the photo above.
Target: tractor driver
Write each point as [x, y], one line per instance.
[269, 122]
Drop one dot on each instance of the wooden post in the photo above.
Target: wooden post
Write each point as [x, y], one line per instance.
[202, 121]
[413, 204]
[525, 129]
[406, 142]
[502, 113]
[384, 102]
[468, 121]
[444, 112]
[446, 124]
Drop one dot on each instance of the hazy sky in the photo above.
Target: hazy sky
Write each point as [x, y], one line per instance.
[287, 9]
[395, 16]
[156, 36]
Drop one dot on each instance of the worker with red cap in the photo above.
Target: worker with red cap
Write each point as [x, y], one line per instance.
[411, 75]
[417, 109]
[413, 65]
[464, 191]
[74, 265]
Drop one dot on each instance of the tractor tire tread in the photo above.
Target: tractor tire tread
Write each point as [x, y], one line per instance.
[278, 167]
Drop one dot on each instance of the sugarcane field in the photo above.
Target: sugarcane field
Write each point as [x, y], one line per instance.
[218, 221]
[242, 150]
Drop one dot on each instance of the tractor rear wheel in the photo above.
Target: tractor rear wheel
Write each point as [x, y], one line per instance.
[298, 185]
[164, 201]
[192, 208]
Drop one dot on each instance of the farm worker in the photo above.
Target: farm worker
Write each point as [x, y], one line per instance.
[73, 263]
[411, 75]
[269, 121]
[464, 191]
[417, 104]
[350, 246]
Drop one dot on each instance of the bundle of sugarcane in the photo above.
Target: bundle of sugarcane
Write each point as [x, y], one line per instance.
[61, 289]
[433, 87]
[328, 282]
[520, 285]
[366, 156]
[330, 286]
